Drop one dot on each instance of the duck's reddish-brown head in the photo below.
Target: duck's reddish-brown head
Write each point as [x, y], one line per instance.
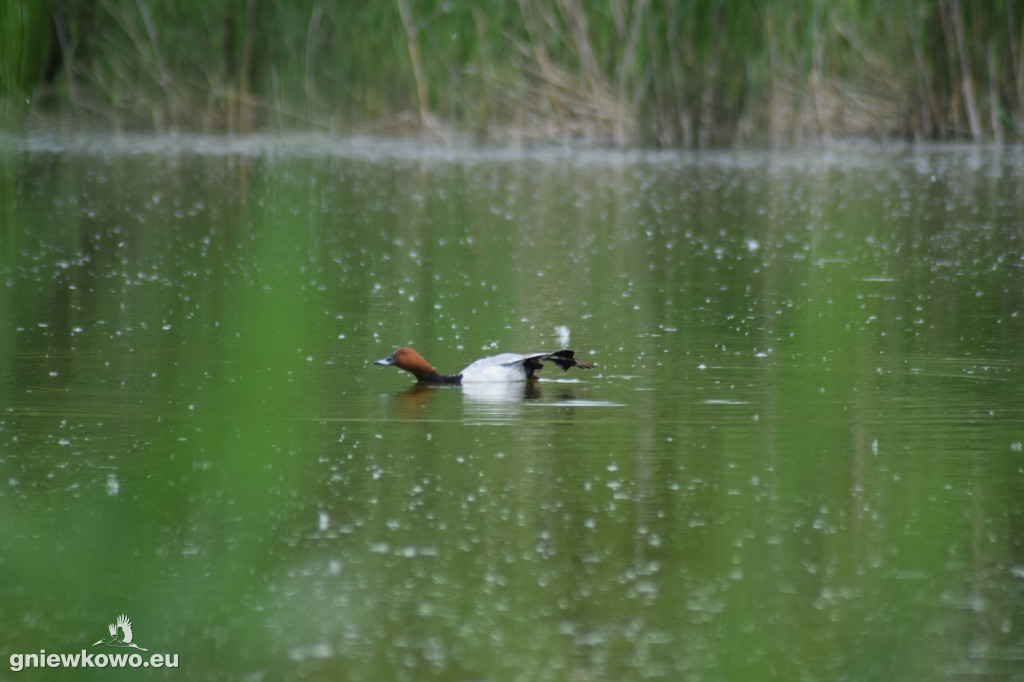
[409, 360]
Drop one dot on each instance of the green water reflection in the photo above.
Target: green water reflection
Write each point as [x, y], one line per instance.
[799, 456]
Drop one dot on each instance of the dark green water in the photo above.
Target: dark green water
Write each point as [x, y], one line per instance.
[798, 458]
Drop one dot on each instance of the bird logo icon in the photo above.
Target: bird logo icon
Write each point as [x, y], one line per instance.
[121, 634]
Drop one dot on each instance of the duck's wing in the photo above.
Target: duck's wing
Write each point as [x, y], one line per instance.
[496, 367]
[534, 362]
[565, 359]
[502, 360]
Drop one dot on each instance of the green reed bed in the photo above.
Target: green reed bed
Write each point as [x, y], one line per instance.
[677, 73]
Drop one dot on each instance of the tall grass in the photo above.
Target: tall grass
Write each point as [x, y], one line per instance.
[678, 73]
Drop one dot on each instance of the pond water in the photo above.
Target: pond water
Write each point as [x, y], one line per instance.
[799, 455]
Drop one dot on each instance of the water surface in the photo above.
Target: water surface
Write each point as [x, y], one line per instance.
[798, 457]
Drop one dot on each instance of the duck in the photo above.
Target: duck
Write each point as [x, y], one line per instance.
[506, 367]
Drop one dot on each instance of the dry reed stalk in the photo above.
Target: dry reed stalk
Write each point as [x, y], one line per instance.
[1016, 39]
[966, 81]
[993, 97]
[246, 113]
[314, 22]
[625, 119]
[165, 79]
[67, 52]
[538, 50]
[422, 95]
[923, 82]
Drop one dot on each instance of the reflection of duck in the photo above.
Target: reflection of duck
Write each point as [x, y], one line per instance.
[501, 392]
[484, 403]
[412, 403]
[125, 640]
[506, 367]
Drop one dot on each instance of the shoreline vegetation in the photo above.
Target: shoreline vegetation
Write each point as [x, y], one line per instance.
[612, 73]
